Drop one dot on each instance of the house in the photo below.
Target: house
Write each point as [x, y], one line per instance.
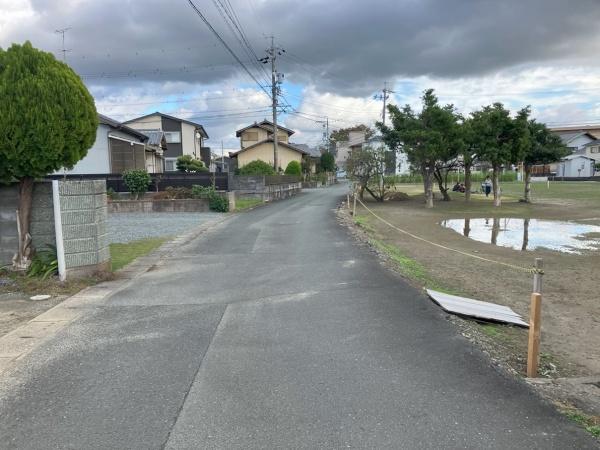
[594, 130]
[313, 155]
[118, 148]
[576, 166]
[396, 161]
[591, 150]
[574, 139]
[256, 143]
[183, 137]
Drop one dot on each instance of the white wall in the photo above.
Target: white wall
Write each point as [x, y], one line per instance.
[146, 123]
[570, 168]
[97, 159]
[580, 141]
[187, 140]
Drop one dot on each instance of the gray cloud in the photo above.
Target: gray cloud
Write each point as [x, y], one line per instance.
[343, 46]
[157, 48]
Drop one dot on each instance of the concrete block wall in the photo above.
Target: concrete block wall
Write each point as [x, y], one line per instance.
[83, 214]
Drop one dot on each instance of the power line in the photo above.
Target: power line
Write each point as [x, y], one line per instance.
[218, 36]
[191, 99]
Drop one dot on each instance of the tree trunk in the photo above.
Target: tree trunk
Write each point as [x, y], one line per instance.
[22, 259]
[525, 234]
[467, 227]
[467, 182]
[361, 192]
[496, 185]
[495, 230]
[428, 182]
[442, 186]
[527, 196]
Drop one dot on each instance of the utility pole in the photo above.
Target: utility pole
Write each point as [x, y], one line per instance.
[384, 96]
[276, 77]
[64, 51]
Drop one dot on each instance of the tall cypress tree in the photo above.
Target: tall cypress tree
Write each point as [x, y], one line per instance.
[48, 120]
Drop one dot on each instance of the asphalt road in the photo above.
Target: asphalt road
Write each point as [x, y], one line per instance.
[274, 330]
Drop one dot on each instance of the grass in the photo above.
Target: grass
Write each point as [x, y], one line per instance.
[591, 424]
[492, 331]
[246, 203]
[123, 254]
[587, 191]
[50, 286]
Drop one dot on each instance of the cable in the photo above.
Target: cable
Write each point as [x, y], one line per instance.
[195, 8]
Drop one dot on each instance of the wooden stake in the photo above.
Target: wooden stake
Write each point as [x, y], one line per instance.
[348, 200]
[535, 324]
[354, 207]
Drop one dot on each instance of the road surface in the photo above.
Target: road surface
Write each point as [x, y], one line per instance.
[274, 330]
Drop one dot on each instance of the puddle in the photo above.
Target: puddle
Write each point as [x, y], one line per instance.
[529, 234]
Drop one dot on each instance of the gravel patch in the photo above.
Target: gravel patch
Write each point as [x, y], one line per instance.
[127, 227]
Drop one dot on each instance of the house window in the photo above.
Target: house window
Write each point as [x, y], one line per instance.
[251, 136]
[170, 164]
[173, 137]
[594, 150]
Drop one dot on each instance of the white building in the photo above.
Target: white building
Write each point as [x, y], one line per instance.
[576, 166]
[118, 148]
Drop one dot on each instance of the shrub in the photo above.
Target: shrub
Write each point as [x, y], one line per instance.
[257, 167]
[110, 193]
[327, 162]
[218, 203]
[293, 168]
[137, 181]
[187, 163]
[202, 191]
[44, 263]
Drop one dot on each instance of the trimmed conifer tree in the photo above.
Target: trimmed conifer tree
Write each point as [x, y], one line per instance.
[48, 121]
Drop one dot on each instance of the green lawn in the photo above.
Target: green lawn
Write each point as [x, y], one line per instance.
[246, 203]
[584, 192]
[123, 254]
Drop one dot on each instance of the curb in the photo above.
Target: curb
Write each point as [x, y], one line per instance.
[18, 343]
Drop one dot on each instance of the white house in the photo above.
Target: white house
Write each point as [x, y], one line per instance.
[575, 140]
[576, 166]
[118, 148]
[398, 164]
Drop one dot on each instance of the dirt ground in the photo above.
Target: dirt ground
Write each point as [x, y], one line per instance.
[16, 290]
[571, 297]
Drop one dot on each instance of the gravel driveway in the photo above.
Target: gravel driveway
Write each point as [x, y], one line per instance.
[127, 227]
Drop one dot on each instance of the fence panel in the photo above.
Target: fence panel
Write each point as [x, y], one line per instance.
[160, 181]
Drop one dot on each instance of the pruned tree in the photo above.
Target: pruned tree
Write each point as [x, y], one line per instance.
[544, 147]
[366, 166]
[500, 139]
[431, 140]
[48, 121]
[189, 164]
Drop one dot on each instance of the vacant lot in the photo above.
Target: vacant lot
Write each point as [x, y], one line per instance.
[571, 303]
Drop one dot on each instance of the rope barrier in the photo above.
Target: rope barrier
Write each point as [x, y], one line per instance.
[530, 270]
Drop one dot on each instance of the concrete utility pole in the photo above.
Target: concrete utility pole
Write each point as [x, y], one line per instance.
[272, 53]
[384, 96]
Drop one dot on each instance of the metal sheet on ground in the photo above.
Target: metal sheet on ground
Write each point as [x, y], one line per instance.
[476, 308]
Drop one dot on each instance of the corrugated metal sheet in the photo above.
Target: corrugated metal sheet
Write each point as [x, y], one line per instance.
[475, 308]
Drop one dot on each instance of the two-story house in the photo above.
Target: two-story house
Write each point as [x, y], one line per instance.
[256, 143]
[183, 137]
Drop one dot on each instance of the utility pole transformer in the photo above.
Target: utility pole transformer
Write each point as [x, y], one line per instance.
[272, 53]
[384, 96]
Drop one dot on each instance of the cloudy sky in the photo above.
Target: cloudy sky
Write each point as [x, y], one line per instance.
[139, 56]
